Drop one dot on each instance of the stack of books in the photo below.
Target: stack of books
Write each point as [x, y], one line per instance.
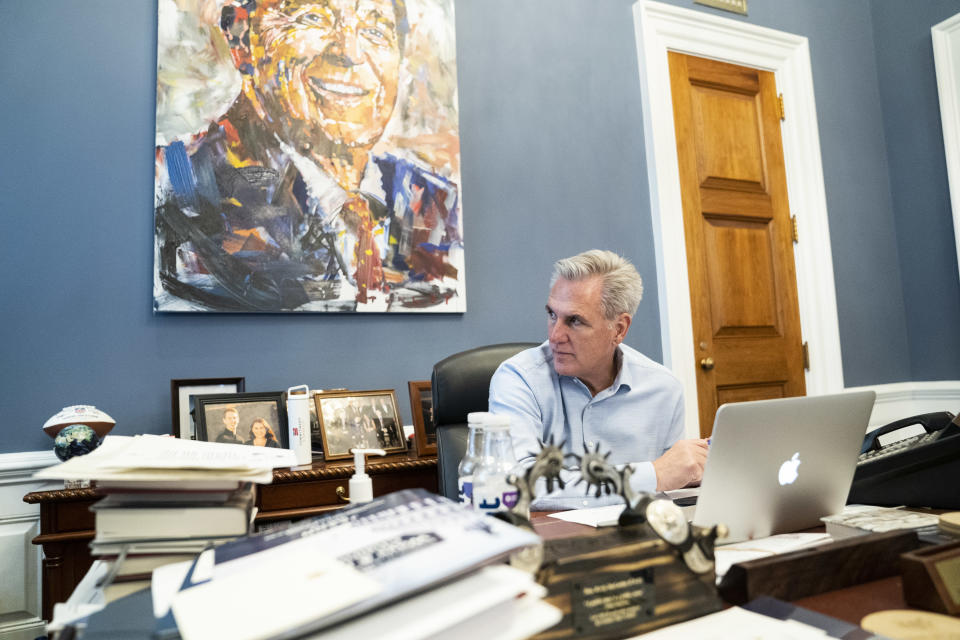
[166, 499]
[141, 527]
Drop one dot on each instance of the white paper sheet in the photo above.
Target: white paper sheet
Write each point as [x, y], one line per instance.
[167, 580]
[593, 516]
[248, 607]
[729, 555]
[607, 516]
[737, 624]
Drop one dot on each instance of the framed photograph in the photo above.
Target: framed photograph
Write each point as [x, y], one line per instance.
[258, 419]
[421, 406]
[316, 438]
[182, 391]
[358, 419]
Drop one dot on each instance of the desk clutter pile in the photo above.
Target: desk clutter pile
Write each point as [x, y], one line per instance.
[408, 565]
[177, 515]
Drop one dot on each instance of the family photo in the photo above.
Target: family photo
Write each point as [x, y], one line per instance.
[257, 423]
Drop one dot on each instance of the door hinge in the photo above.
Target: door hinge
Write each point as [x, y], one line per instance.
[780, 110]
[794, 230]
[806, 356]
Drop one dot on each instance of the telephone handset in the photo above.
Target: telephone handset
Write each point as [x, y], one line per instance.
[918, 470]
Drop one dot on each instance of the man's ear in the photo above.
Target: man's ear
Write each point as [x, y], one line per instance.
[235, 26]
[621, 325]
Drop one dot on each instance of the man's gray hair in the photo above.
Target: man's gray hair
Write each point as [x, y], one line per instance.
[622, 285]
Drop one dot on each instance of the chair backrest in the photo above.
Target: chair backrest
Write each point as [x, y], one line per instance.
[460, 384]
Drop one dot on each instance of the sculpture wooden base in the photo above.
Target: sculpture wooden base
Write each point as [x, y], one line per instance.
[619, 583]
[807, 572]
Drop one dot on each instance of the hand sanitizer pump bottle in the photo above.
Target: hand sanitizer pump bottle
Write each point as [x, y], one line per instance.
[361, 487]
[491, 491]
[468, 464]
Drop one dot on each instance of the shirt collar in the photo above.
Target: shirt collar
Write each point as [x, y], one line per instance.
[324, 190]
[623, 377]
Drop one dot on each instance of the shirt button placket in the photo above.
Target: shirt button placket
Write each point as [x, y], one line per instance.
[587, 428]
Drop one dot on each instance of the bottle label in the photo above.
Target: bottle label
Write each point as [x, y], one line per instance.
[495, 494]
[465, 489]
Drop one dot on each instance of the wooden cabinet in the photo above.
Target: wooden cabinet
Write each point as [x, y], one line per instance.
[67, 526]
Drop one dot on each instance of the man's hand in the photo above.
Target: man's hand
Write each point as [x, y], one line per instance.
[681, 465]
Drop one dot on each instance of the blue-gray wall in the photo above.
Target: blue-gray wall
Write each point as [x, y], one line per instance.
[918, 182]
[553, 163]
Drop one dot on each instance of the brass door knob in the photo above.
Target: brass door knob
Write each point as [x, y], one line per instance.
[706, 364]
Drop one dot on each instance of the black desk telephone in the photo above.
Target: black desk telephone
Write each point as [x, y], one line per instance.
[917, 471]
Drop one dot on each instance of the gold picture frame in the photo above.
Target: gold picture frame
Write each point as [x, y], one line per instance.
[361, 419]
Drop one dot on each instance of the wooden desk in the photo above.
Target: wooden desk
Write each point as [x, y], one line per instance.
[67, 524]
[850, 604]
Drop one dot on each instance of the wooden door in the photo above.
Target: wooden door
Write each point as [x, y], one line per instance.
[739, 239]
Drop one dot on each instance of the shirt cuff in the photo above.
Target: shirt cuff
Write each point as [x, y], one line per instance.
[644, 478]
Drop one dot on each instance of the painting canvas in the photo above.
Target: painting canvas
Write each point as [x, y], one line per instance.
[307, 157]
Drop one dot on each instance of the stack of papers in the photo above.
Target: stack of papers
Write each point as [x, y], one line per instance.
[151, 461]
[859, 519]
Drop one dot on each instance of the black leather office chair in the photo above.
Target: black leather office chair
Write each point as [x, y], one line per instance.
[460, 385]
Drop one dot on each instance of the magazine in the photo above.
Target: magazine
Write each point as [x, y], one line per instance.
[404, 543]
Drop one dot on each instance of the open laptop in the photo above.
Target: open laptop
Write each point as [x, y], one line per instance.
[777, 466]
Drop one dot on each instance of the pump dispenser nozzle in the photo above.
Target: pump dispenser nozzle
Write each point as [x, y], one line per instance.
[361, 487]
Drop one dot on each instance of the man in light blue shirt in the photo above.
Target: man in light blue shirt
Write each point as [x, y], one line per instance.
[583, 386]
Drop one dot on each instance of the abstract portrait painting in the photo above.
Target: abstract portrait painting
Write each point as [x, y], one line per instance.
[308, 157]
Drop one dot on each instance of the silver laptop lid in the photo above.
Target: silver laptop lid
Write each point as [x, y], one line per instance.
[777, 466]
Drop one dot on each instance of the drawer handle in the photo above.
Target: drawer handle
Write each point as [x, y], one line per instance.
[342, 494]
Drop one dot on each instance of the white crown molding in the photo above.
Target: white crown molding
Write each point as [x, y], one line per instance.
[946, 59]
[659, 28]
[902, 399]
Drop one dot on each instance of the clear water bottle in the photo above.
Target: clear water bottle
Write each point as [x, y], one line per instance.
[491, 491]
[468, 464]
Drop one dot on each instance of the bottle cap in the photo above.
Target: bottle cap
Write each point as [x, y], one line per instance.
[497, 421]
[478, 417]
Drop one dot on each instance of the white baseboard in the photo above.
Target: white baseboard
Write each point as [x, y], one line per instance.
[28, 628]
[903, 399]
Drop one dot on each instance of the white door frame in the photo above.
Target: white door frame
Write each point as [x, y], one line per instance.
[946, 59]
[659, 28]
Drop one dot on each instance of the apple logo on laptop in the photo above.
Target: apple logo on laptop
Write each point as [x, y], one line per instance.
[788, 470]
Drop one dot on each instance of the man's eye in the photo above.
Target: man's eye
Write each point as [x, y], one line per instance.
[313, 19]
[575, 322]
[373, 33]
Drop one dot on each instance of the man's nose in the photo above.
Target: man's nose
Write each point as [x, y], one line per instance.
[346, 45]
[557, 332]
